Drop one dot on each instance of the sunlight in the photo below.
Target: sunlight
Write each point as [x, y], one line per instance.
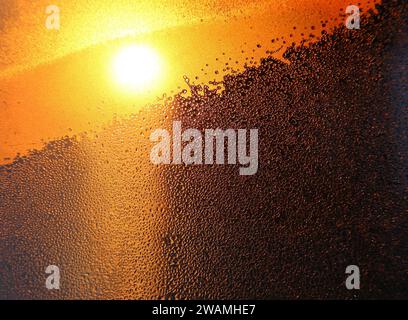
[136, 67]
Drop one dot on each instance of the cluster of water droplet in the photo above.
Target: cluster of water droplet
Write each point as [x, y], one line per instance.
[329, 191]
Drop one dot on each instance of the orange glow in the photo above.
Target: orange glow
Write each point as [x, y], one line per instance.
[63, 83]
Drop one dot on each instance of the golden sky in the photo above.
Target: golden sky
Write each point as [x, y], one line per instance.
[59, 82]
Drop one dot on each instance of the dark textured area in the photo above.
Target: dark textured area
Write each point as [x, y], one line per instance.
[331, 189]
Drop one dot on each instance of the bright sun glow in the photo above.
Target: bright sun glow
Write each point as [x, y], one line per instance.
[136, 67]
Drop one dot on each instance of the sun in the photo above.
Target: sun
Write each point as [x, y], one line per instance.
[136, 67]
